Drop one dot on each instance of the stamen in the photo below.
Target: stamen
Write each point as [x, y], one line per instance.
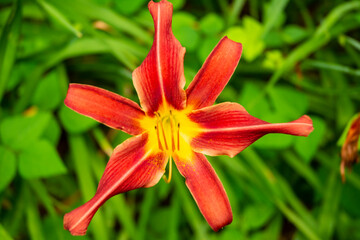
[158, 137]
[172, 131]
[178, 137]
[162, 130]
[168, 179]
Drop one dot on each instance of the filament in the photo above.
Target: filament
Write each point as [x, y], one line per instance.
[158, 137]
[178, 137]
[168, 179]
[162, 130]
[172, 132]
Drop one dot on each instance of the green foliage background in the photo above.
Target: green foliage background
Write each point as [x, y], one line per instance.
[300, 57]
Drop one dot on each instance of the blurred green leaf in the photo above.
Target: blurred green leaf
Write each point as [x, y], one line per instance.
[288, 102]
[48, 93]
[18, 74]
[8, 44]
[4, 235]
[248, 91]
[273, 59]
[19, 131]
[211, 24]
[55, 14]
[256, 216]
[274, 141]
[206, 47]
[342, 138]
[95, 11]
[274, 13]
[229, 234]
[53, 131]
[74, 122]
[345, 110]
[250, 36]
[7, 168]
[307, 147]
[40, 160]
[334, 16]
[177, 4]
[293, 34]
[33, 221]
[184, 30]
[80, 155]
[129, 7]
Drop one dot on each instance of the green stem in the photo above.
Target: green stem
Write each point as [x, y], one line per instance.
[80, 156]
[302, 168]
[102, 141]
[235, 10]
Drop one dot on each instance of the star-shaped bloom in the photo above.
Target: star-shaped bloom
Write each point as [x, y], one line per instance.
[172, 124]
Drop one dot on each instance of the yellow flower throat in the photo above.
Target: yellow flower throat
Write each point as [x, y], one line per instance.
[170, 131]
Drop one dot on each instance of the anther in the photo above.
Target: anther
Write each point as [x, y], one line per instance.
[178, 137]
[172, 132]
[158, 137]
[162, 129]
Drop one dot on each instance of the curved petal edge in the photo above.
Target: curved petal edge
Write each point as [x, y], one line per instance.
[206, 189]
[214, 74]
[227, 129]
[160, 78]
[131, 166]
[106, 107]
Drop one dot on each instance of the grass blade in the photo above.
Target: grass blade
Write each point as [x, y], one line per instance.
[8, 44]
[80, 156]
[276, 8]
[4, 235]
[331, 66]
[33, 218]
[59, 17]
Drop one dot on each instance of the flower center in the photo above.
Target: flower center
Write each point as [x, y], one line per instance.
[168, 132]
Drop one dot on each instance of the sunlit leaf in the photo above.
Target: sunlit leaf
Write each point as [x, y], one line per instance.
[48, 93]
[307, 147]
[7, 167]
[40, 160]
[211, 24]
[74, 122]
[19, 131]
[184, 30]
[250, 36]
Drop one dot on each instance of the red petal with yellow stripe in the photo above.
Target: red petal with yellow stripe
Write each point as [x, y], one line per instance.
[214, 74]
[206, 189]
[131, 166]
[227, 128]
[106, 107]
[160, 78]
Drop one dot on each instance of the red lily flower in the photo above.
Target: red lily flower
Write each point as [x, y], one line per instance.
[172, 124]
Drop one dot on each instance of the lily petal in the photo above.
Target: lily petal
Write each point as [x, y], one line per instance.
[206, 189]
[106, 107]
[214, 74]
[227, 128]
[160, 78]
[131, 166]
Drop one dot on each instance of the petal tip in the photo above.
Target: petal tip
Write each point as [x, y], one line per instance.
[307, 124]
[226, 222]
[69, 224]
[226, 38]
